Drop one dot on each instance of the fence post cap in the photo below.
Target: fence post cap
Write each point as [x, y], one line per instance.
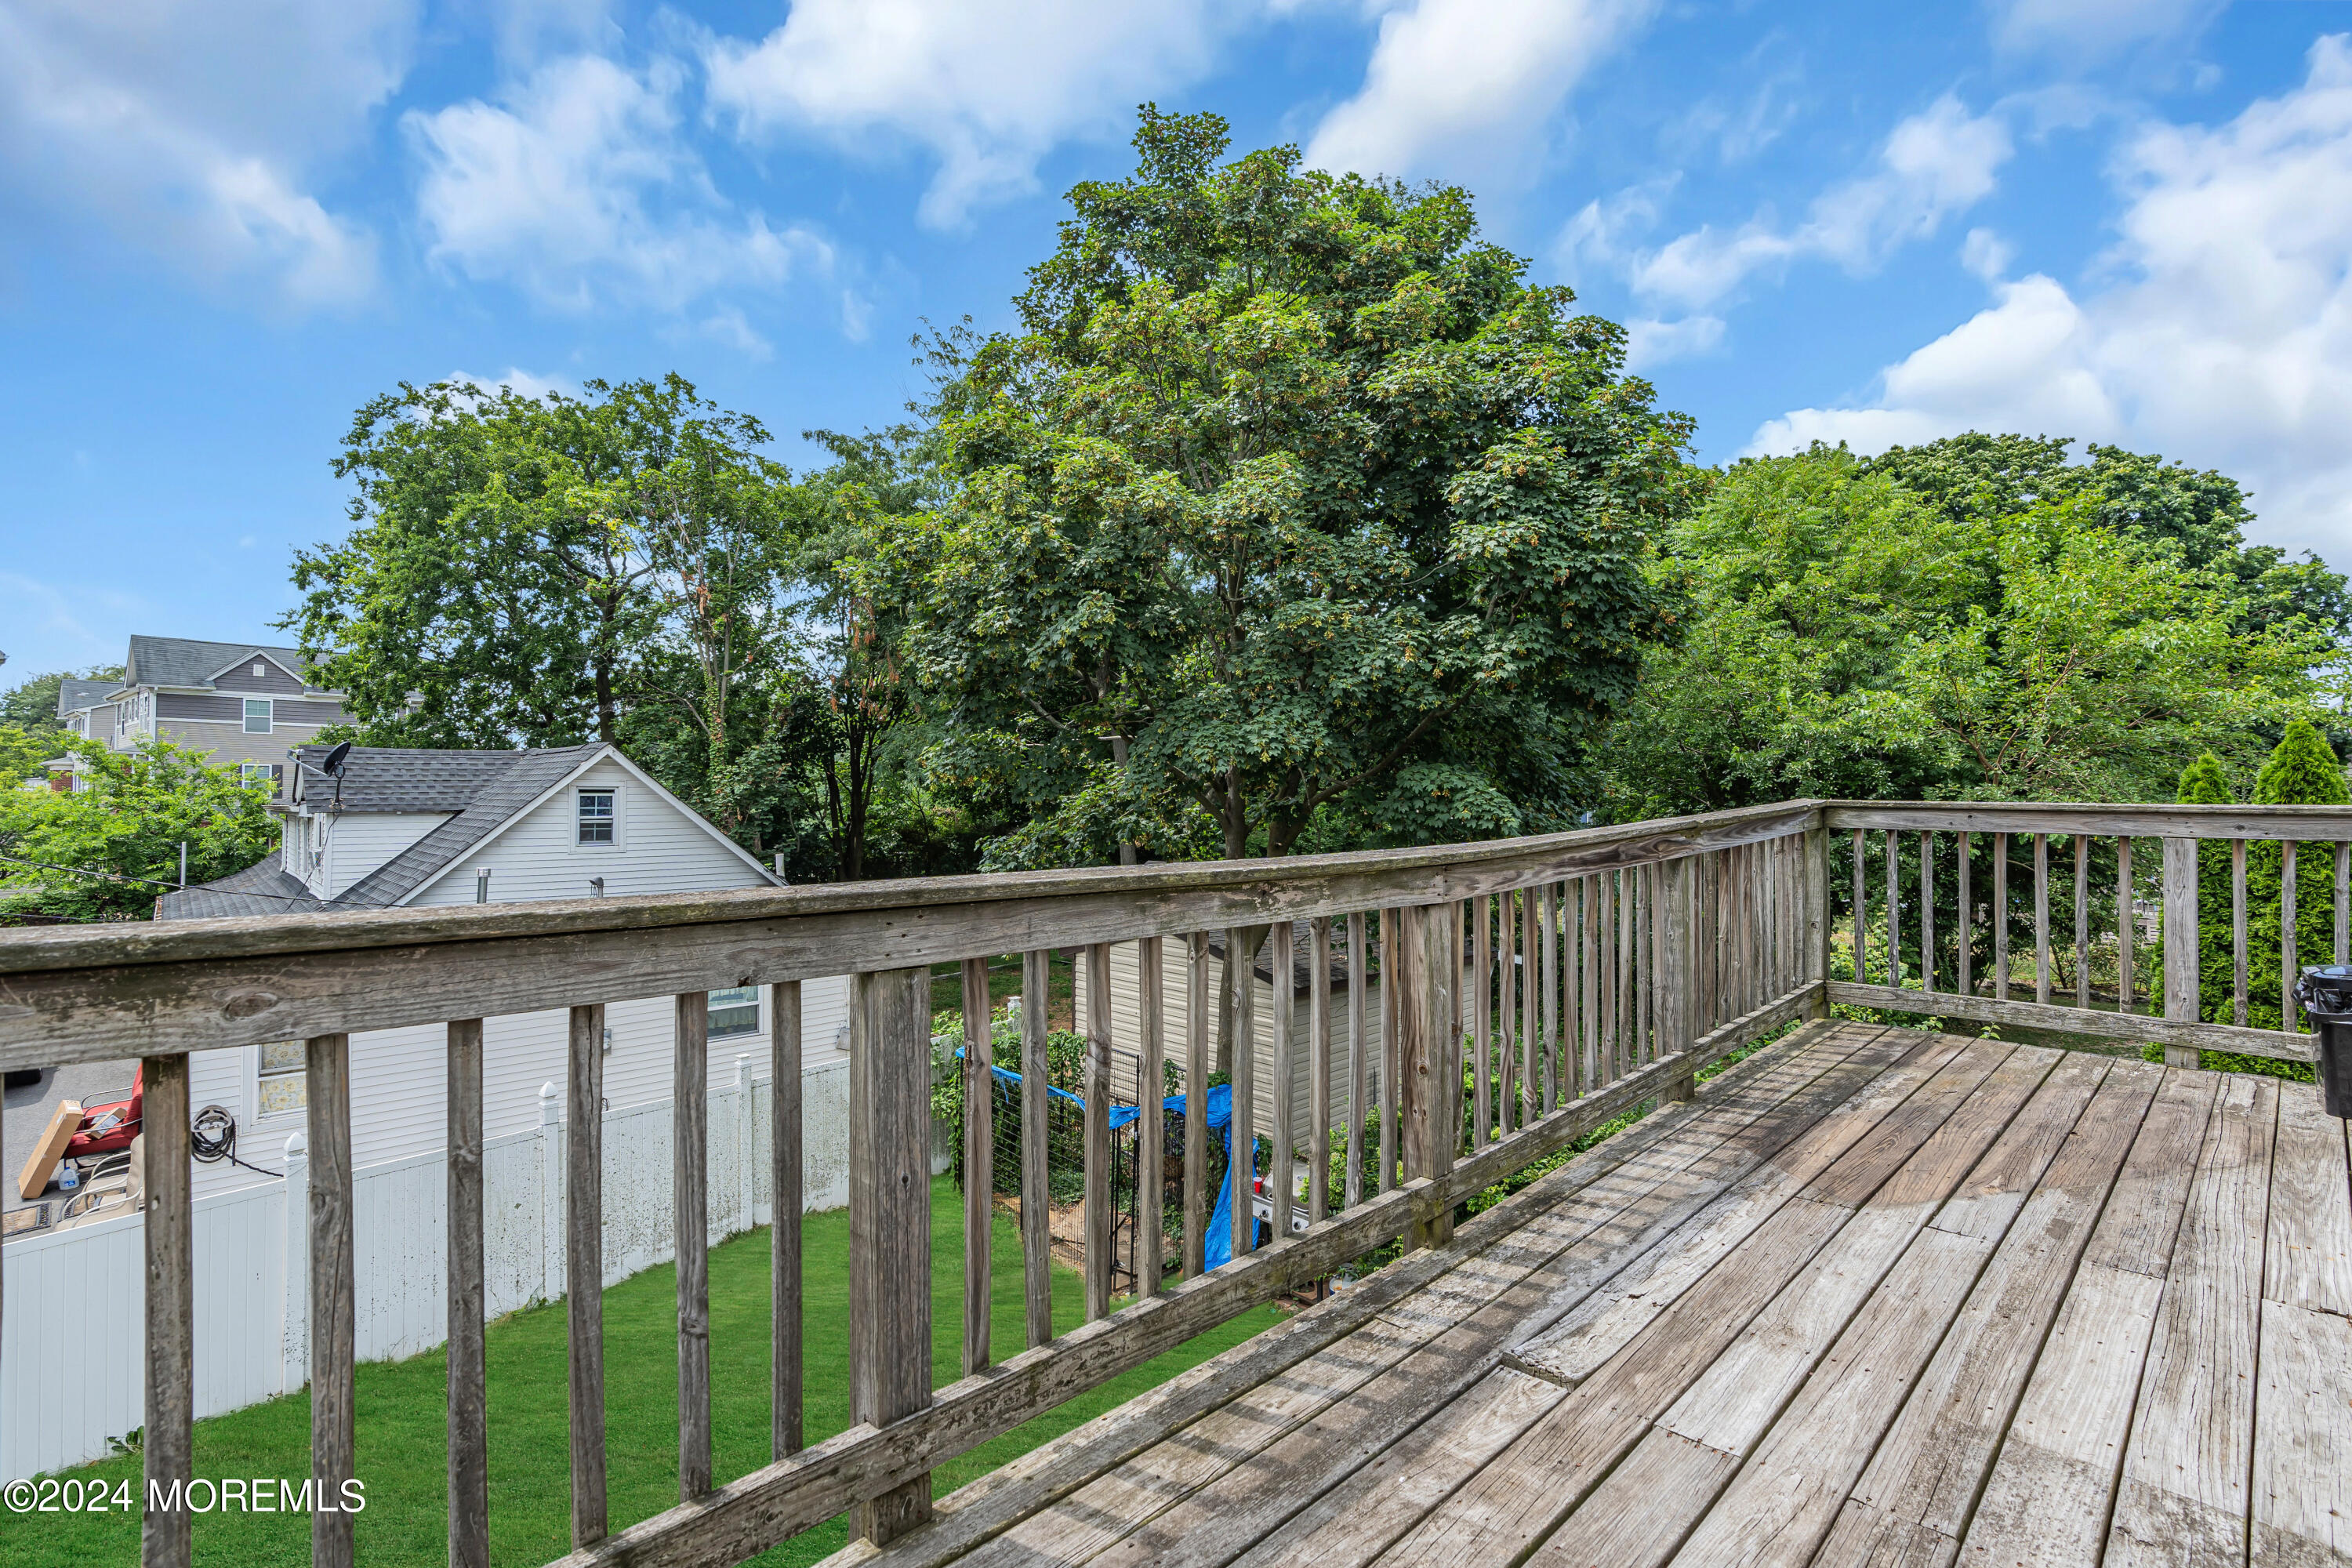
[298, 1147]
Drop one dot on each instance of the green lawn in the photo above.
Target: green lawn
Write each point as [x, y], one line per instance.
[403, 1456]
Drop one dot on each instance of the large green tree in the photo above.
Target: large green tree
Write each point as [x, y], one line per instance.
[524, 570]
[107, 851]
[1292, 514]
[1850, 637]
[2204, 512]
[2205, 783]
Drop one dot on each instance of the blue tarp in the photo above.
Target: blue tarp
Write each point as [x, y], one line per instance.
[1218, 1244]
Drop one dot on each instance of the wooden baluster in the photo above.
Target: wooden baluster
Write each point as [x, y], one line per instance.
[333, 1314]
[1198, 1011]
[2001, 917]
[1675, 1035]
[2343, 902]
[1532, 1006]
[1507, 1011]
[1928, 912]
[1966, 931]
[785, 1429]
[1818, 925]
[1360, 1057]
[1388, 1051]
[1481, 982]
[2127, 998]
[1282, 1151]
[2042, 918]
[1036, 1195]
[979, 1162]
[468, 1430]
[1590, 968]
[1605, 941]
[1318, 1070]
[2288, 961]
[1645, 965]
[2180, 955]
[1095, 1088]
[1708, 931]
[2237, 929]
[1152, 1123]
[1576, 1077]
[1623, 1018]
[690, 1166]
[168, 1451]
[890, 1225]
[1548, 935]
[1861, 914]
[1894, 915]
[1240, 999]
[2081, 920]
[583, 1266]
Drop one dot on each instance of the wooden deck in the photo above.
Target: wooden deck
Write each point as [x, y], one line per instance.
[1874, 1296]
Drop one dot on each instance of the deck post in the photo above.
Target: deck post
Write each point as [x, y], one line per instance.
[1423, 976]
[2180, 943]
[890, 1225]
[170, 1444]
[470, 1471]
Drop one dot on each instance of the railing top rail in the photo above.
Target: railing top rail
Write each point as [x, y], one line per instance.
[89, 993]
[1378, 872]
[2101, 819]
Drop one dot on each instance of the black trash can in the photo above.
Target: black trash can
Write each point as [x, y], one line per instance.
[2326, 991]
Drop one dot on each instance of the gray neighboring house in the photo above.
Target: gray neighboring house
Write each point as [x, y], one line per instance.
[247, 703]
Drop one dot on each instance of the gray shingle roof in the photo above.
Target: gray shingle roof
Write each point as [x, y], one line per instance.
[74, 693]
[481, 790]
[267, 888]
[185, 661]
[529, 776]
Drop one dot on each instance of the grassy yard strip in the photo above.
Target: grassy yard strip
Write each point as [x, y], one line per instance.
[403, 1456]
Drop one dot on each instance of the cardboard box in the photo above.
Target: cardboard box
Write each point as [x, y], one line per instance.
[49, 1150]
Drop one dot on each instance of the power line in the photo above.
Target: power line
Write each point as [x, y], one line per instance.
[149, 882]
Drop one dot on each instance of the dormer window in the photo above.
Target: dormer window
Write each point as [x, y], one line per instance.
[596, 818]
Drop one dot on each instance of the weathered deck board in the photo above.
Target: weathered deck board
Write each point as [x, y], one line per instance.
[1873, 1297]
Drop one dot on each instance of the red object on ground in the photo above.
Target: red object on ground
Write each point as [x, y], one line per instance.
[118, 1132]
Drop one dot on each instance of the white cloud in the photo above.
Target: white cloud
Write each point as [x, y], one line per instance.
[195, 131]
[1986, 254]
[730, 327]
[1934, 164]
[985, 85]
[49, 626]
[2218, 332]
[577, 187]
[520, 381]
[2097, 27]
[1650, 342]
[1455, 85]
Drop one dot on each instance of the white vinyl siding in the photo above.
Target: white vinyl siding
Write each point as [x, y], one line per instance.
[660, 850]
[1175, 1001]
[399, 1076]
[357, 842]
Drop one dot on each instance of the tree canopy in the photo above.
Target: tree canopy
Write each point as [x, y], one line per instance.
[1849, 635]
[1292, 514]
[108, 851]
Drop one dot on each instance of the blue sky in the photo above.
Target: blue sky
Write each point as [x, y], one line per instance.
[224, 227]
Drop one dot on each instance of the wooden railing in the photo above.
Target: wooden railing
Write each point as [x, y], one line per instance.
[1530, 990]
[1965, 910]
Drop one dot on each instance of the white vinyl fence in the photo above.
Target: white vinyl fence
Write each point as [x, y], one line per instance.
[74, 1316]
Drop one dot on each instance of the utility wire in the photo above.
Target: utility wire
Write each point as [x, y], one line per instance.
[146, 881]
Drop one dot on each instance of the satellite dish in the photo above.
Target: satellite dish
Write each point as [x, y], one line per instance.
[334, 763]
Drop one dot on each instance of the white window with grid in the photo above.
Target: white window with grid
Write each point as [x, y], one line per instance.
[259, 713]
[281, 1081]
[600, 815]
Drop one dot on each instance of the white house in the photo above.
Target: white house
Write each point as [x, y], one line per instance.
[402, 827]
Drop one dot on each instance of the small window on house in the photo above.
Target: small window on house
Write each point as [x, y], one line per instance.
[735, 1012]
[257, 667]
[281, 1078]
[251, 773]
[257, 715]
[595, 816]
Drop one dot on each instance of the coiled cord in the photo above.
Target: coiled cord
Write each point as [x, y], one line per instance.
[212, 1137]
